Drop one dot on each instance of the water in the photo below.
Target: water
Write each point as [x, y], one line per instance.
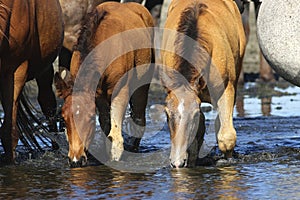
[263, 180]
[267, 160]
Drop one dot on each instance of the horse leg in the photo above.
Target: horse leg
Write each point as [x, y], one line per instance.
[118, 108]
[265, 71]
[46, 96]
[47, 100]
[7, 92]
[104, 117]
[246, 25]
[13, 86]
[138, 103]
[226, 134]
[64, 58]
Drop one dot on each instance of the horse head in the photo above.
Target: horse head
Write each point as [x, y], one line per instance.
[184, 115]
[78, 112]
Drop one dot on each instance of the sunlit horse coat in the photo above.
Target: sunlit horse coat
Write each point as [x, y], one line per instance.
[203, 45]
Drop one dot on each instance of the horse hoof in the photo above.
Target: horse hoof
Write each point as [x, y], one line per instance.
[82, 162]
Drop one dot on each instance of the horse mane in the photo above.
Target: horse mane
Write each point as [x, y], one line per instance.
[87, 32]
[187, 46]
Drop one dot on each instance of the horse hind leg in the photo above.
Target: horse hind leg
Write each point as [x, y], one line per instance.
[10, 96]
[47, 100]
[46, 96]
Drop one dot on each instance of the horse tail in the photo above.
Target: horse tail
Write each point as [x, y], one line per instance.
[87, 32]
[187, 45]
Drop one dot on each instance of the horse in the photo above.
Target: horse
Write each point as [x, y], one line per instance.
[113, 89]
[31, 36]
[202, 50]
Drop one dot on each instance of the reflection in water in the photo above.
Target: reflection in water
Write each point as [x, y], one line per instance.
[239, 105]
[266, 103]
[228, 185]
[266, 106]
[262, 91]
[204, 183]
[243, 181]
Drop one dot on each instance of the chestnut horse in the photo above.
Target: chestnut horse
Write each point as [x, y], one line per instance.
[118, 75]
[207, 42]
[31, 36]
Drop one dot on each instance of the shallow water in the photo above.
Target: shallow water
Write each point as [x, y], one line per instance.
[267, 160]
[262, 180]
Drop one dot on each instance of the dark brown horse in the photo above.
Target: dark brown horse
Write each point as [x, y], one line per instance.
[31, 36]
[203, 45]
[108, 56]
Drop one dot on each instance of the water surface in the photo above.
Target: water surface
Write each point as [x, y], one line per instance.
[267, 159]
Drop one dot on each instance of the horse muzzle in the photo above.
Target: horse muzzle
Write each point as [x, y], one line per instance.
[74, 163]
[178, 163]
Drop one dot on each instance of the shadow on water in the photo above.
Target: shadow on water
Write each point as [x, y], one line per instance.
[267, 158]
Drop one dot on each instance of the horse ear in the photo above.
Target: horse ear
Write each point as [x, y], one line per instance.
[63, 82]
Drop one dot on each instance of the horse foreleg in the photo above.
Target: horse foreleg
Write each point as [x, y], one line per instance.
[64, 58]
[118, 108]
[138, 103]
[104, 114]
[226, 134]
